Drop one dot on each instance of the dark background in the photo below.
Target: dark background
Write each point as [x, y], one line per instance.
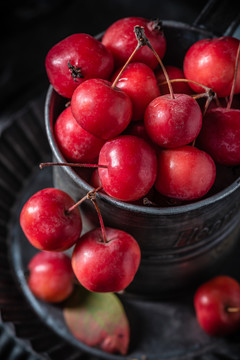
[30, 28]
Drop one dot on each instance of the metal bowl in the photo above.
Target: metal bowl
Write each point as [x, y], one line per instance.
[181, 245]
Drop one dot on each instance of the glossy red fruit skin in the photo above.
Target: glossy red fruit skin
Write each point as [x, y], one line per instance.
[120, 39]
[173, 73]
[75, 143]
[100, 109]
[45, 222]
[51, 277]
[211, 301]
[106, 267]
[139, 82]
[82, 51]
[172, 123]
[211, 62]
[220, 135]
[131, 167]
[185, 173]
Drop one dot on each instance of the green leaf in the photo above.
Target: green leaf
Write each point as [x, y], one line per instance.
[98, 320]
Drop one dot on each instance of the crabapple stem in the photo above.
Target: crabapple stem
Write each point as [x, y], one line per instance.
[139, 32]
[124, 66]
[42, 165]
[200, 95]
[209, 93]
[207, 103]
[206, 88]
[92, 197]
[233, 309]
[164, 71]
[234, 78]
[87, 196]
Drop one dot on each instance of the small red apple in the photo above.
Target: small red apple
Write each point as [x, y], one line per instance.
[46, 222]
[101, 109]
[106, 266]
[185, 173]
[131, 167]
[76, 144]
[51, 277]
[217, 305]
[220, 135]
[173, 122]
[211, 62]
[139, 82]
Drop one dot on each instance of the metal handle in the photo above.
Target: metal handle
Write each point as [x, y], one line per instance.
[219, 17]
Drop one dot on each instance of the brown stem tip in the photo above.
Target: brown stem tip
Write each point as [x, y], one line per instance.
[156, 25]
[233, 309]
[140, 35]
[90, 195]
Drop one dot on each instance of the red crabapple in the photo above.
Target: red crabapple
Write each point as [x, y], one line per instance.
[220, 135]
[217, 306]
[173, 122]
[106, 266]
[211, 62]
[47, 223]
[185, 173]
[75, 59]
[101, 109]
[75, 143]
[131, 167]
[119, 38]
[139, 82]
[51, 277]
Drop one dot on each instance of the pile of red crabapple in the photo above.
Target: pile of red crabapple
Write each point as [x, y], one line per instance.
[140, 124]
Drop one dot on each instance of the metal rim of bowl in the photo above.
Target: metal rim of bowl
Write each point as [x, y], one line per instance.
[125, 205]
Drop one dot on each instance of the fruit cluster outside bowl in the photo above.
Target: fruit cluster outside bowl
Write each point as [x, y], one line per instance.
[181, 245]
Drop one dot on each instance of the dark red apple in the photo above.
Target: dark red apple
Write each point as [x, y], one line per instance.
[211, 62]
[75, 59]
[217, 305]
[51, 277]
[75, 143]
[173, 122]
[185, 173]
[47, 223]
[101, 109]
[139, 82]
[120, 39]
[131, 167]
[220, 135]
[106, 266]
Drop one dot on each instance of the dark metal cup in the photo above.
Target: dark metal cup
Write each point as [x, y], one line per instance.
[181, 245]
